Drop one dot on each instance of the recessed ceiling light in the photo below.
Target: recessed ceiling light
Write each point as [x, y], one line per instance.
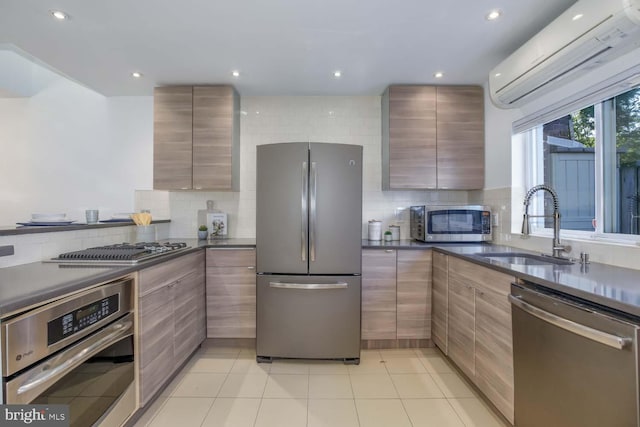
[438, 75]
[337, 74]
[493, 15]
[497, 74]
[235, 73]
[136, 74]
[58, 14]
[578, 16]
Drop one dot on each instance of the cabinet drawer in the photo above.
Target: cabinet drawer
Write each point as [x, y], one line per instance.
[231, 258]
[163, 274]
[482, 278]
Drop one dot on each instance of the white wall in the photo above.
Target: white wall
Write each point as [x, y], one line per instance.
[67, 149]
[339, 119]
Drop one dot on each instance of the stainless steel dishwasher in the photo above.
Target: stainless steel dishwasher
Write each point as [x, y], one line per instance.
[575, 363]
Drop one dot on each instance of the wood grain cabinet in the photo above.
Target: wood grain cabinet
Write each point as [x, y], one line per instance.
[479, 329]
[413, 281]
[378, 294]
[460, 130]
[461, 333]
[433, 137]
[231, 293]
[440, 298]
[196, 138]
[396, 294]
[409, 133]
[171, 313]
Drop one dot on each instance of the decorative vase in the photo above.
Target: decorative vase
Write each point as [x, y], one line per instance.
[203, 234]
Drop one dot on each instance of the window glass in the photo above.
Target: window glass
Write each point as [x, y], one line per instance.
[569, 165]
[621, 129]
[591, 157]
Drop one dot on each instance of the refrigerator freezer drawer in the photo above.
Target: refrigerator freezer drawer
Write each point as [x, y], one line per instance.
[310, 317]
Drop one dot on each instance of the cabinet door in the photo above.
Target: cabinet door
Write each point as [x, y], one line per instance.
[460, 130]
[188, 296]
[440, 310]
[172, 138]
[411, 137]
[156, 341]
[231, 293]
[213, 137]
[414, 294]
[461, 333]
[378, 294]
[494, 350]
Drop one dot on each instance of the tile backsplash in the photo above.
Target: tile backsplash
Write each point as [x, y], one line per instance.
[266, 120]
[40, 246]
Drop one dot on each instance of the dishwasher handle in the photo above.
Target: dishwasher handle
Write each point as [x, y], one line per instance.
[596, 335]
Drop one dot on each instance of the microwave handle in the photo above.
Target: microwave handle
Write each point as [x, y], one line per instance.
[26, 387]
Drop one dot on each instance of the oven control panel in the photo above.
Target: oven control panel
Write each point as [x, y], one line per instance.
[81, 318]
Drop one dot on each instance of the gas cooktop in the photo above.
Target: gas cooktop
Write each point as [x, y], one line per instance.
[120, 254]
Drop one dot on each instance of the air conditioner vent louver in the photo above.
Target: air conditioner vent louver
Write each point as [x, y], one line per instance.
[566, 48]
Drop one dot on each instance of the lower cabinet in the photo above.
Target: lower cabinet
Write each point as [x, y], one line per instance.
[440, 300]
[396, 294]
[461, 333]
[478, 328]
[231, 293]
[171, 319]
[413, 296]
[378, 294]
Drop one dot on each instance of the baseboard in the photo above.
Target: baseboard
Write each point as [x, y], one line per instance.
[401, 343]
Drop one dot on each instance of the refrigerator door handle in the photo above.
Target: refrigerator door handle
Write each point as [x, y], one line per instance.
[308, 286]
[304, 213]
[312, 203]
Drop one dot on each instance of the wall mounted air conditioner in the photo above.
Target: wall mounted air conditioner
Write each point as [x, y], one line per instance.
[588, 34]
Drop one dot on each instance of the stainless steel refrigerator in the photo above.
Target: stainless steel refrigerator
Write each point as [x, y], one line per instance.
[309, 251]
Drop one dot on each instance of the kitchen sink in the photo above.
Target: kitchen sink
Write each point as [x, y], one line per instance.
[520, 258]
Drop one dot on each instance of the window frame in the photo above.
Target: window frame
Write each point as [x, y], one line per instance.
[606, 177]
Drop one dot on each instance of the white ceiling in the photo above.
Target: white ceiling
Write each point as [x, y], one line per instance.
[281, 47]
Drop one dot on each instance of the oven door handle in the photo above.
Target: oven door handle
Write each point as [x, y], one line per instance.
[30, 384]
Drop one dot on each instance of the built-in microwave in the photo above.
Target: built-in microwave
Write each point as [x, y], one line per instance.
[470, 223]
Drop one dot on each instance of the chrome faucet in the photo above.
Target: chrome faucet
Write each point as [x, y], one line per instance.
[557, 248]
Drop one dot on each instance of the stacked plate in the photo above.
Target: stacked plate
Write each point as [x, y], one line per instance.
[47, 219]
[119, 217]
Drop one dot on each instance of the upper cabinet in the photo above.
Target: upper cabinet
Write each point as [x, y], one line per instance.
[196, 138]
[433, 137]
[460, 130]
[409, 137]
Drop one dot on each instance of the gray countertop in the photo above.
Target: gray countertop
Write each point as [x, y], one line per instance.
[28, 285]
[611, 286]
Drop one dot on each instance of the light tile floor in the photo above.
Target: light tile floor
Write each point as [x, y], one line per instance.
[223, 386]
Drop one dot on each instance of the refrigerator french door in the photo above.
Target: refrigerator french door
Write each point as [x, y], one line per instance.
[308, 241]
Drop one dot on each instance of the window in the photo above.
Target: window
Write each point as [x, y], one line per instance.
[591, 157]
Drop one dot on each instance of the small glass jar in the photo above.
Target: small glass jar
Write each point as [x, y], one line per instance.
[395, 232]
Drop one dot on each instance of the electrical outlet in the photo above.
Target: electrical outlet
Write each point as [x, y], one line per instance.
[495, 219]
[6, 250]
[399, 214]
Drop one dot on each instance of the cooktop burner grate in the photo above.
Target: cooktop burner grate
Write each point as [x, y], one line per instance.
[119, 254]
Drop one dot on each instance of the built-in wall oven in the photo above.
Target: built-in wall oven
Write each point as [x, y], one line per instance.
[76, 351]
[575, 363]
